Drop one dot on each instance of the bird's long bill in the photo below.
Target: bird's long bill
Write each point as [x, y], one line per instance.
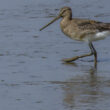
[50, 22]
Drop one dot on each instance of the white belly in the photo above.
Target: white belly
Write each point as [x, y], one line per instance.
[97, 36]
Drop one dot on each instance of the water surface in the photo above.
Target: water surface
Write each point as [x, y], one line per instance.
[32, 75]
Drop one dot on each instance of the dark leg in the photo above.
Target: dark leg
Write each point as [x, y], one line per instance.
[93, 52]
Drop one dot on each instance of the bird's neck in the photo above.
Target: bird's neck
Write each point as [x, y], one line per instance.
[65, 21]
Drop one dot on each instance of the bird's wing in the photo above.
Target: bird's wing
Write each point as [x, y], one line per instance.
[93, 25]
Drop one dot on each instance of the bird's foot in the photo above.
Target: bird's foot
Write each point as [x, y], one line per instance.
[71, 59]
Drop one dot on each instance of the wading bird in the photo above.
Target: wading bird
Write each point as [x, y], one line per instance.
[82, 30]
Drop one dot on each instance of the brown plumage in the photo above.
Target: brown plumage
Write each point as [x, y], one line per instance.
[82, 30]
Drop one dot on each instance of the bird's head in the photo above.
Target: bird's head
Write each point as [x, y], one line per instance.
[65, 11]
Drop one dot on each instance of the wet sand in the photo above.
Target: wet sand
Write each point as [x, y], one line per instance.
[32, 75]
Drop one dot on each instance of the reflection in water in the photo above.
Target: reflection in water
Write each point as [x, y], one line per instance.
[86, 90]
[81, 90]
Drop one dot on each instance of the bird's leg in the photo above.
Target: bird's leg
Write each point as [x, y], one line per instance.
[77, 57]
[93, 52]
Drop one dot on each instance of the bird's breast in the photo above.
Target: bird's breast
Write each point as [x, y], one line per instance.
[70, 31]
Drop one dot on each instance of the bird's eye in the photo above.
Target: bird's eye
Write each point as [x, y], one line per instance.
[63, 11]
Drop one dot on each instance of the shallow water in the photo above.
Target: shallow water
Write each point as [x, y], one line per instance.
[32, 75]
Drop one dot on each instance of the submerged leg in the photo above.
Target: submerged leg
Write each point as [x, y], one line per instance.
[93, 52]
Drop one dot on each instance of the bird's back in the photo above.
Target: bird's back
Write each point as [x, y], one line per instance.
[81, 29]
